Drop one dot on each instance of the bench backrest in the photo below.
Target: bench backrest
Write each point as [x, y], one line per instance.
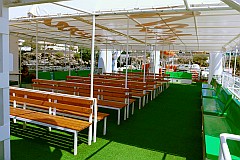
[233, 118]
[233, 112]
[225, 97]
[132, 85]
[83, 89]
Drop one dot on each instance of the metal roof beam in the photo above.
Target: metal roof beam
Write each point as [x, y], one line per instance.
[235, 4]
[79, 10]
[170, 10]
[186, 4]
[231, 41]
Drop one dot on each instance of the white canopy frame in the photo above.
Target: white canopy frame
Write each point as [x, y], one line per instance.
[4, 84]
[133, 40]
[36, 50]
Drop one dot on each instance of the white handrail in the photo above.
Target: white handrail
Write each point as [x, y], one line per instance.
[232, 83]
[224, 150]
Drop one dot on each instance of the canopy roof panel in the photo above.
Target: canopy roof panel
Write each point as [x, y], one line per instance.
[200, 27]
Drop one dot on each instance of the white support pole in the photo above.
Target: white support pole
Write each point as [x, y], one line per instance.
[229, 63]
[145, 52]
[235, 62]
[36, 49]
[92, 55]
[65, 54]
[162, 54]
[154, 58]
[81, 59]
[44, 55]
[69, 53]
[126, 85]
[106, 58]
[4, 84]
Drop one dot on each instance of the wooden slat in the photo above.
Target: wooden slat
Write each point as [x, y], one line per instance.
[60, 121]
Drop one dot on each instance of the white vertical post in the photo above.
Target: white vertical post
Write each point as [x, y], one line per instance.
[162, 55]
[127, 54]
[235, 62]
[106, 58]
[44, 55]
[65, 54]
[36, 49]
[81, 58]
[4, 84]
[229, 63]
[145, 51]
[92, 70]
[92, 55]
[154, 57]
[69, 53]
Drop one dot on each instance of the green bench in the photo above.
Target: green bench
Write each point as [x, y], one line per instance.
[211, 92]
[218, 104]
[206, 86]
[215, 125]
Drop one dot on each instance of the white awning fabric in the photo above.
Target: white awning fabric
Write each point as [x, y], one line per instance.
[186, 25]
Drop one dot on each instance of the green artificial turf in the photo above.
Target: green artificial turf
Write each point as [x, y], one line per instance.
[169, 127]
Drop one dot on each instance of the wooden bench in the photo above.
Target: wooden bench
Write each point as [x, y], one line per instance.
[137, 89]
[53, 121]
[36, 100]
[151, 84]
[82, 89]
[160, 79]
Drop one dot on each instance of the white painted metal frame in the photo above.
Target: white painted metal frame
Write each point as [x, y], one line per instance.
[92, 135]
[52, 126]
[4, 84]
[36, 50]
[224, 153]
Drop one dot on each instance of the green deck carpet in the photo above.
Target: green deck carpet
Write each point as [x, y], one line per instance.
[168, 127]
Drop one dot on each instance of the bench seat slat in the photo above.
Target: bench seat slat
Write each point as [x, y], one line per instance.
[60, 121]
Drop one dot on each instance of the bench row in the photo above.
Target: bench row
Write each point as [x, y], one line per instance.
[221, 114]
[48, 109]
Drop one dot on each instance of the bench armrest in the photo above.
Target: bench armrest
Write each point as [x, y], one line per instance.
[224, 150]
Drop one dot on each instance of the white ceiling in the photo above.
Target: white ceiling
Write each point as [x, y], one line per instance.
[208, 25]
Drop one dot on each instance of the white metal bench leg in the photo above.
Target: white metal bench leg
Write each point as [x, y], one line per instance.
[119, 116]
[95, 132]
[125, 113]
[14, 120]
[144, 101]
[50, 112]
[90, 135]
[151, 95]
[105, 126]
[132, 108]
[128, 111]
[24, 125]
[75, 143]
[140, 102]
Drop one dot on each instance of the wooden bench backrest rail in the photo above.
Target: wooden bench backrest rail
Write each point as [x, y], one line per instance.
[45, 104]
[137, 79]
[42, 96]
[78, 85]
[78, 89]
[108, 91]
[111, 82]
[134, 75]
